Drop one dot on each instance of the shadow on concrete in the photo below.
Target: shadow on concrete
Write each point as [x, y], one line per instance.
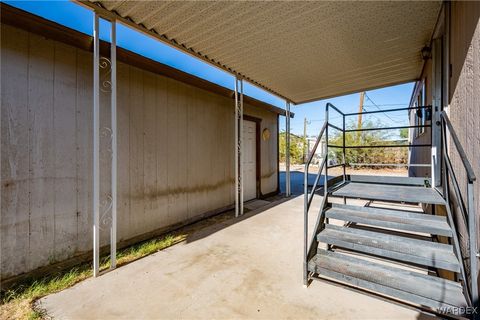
[227, 219]
[223, 220]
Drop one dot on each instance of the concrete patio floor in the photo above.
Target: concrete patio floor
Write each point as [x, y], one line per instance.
[240, 269]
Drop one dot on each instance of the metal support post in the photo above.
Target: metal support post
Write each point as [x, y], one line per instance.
[241, 146]
[325, 178]
[113, 227]
[238, 147]
[344, 153]
[96, 145]
[99, 217]
[344, 159]
[287, 149]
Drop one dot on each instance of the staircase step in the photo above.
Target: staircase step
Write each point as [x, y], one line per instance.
[388, 218]
[395, 282]
[400, 248]
[371, 191]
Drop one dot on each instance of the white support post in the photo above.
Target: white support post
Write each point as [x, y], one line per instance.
[96, 146]
[113, 227]
[97, 65]
[238, 147]
[287, 149]
[241, 146]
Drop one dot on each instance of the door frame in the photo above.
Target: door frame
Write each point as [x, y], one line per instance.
[258, 155]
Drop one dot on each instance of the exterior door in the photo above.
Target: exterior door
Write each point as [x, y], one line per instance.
[249, 160]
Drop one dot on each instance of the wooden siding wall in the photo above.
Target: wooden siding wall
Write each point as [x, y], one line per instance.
[464, 110]
[175, 151]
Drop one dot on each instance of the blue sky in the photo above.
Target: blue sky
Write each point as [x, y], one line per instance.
[81, 19]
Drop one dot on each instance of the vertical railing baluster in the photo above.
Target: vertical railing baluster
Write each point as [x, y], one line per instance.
[344, 152]
[305, 224]
[325, 179]
[344, 159]
[96, 146]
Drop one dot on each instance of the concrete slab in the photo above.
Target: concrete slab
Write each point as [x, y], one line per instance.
[256, 204]
[246, 268]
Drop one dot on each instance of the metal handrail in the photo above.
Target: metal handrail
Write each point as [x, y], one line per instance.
[467, 208]
[389, 128]
[317, 179]
[329, 105]
[456, 142]
[310, 156]
[467, 211]
[382, 146]
[308, 196]
[389, 110]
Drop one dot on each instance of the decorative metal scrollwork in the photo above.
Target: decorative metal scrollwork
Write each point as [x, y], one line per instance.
[105, 83]
[106, 216]
[107, 133]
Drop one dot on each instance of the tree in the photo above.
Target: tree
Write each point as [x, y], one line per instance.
[397, 155]
[404, 133]
[296, 148]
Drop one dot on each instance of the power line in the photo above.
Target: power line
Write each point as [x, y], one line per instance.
[371, 115]
[366, 95]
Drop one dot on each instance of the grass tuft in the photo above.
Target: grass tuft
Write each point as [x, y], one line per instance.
[17, 302]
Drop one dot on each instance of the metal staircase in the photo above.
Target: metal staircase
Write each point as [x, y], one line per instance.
[383, 242]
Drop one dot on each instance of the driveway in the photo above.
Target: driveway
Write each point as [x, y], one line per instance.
[242, 268]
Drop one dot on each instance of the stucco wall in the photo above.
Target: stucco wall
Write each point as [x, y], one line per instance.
[464, 109]
[175, 151]
[464, 105]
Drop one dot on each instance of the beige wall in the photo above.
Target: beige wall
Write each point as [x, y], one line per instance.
[464, 103]
[421, 155]
[464, 110]
[175, 151]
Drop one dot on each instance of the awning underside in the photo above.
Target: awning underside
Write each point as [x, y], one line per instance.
[302, 51]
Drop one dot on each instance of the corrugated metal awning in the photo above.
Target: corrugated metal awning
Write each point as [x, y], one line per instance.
[302, 51]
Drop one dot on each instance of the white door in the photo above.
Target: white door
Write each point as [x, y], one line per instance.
[249, 160]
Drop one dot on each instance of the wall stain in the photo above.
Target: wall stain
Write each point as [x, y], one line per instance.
[154, 194]
[268, 175]
[13, 182]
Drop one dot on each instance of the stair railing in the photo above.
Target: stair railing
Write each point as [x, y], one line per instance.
[310, 247]
[308, 196]
[467, 211]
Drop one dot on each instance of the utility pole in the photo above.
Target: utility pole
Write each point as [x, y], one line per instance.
[305, 150]
[360, 110]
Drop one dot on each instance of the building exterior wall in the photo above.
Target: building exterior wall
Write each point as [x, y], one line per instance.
[175, 152]
[420, 155]
[464, 95]
[462, 106]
